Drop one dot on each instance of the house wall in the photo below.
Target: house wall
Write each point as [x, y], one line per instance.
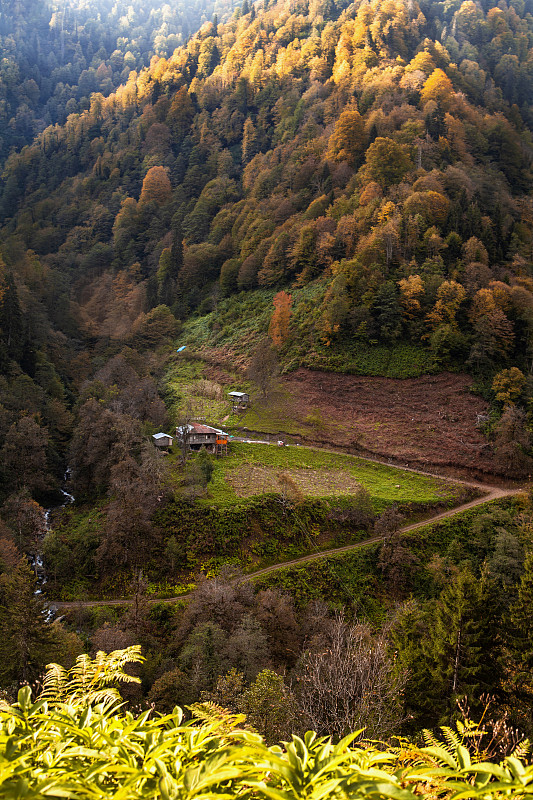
[198, 439]
[166, 442]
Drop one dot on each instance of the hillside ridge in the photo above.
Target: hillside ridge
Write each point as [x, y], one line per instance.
[489, 493]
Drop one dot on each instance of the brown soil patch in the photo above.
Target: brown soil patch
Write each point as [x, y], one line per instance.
[218, 374]
[419, 421]
[253, 479]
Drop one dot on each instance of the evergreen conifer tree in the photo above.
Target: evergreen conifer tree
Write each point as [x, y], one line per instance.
[11, 320]
[520, 623]
[27, 640]
[451, 650]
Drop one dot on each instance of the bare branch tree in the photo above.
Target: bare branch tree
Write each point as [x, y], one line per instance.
[263, 367]
[184, 431]
[351, 683]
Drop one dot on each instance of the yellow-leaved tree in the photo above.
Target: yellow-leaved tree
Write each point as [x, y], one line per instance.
[411, 289]
[508, 386]
[347, 142]
[450, 295]
[439, 88]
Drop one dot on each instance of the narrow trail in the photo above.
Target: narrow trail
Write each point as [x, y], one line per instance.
[494, 494]
[491, 493]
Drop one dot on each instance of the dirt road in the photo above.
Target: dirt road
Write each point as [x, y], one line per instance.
[491, 493]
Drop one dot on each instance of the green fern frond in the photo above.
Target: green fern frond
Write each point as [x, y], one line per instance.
[452, 739]
[430, 740]
[80, 675]
[54, 682]
[91, 681]
[209, 711]
[523, 750]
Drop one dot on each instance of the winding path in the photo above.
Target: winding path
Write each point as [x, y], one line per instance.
[493, 494]
[490, 493]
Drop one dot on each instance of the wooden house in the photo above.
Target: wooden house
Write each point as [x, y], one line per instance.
[197, 436]
[162, 440]
[239, 399]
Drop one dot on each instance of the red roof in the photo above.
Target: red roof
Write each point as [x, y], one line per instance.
[198, 428]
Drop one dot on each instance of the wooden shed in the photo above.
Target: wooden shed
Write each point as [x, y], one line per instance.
[239, 399]
[162, 440]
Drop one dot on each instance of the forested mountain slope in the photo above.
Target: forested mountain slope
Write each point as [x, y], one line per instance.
[370, 163]
[368, 168]
[380, 152]
[55, 53]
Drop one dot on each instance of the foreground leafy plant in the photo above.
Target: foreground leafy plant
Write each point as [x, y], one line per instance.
[75, 742]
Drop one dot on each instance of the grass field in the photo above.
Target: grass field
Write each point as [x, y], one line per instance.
[186, 388]
[276, 413]
[254, 469]
[237, 325]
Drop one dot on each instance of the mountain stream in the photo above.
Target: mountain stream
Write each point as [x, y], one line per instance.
[37, 560]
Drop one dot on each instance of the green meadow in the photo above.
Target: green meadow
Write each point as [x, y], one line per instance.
[251, 470]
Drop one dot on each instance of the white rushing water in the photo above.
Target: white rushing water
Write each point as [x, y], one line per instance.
[37, 561]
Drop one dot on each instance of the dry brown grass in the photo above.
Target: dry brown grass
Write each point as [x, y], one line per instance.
[421, 421]
[253, 479]
[209, 389]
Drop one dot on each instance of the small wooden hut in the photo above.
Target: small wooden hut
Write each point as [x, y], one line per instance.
[239, 399]
[162, 440]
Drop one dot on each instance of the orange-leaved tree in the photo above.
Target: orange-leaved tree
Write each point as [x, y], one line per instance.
[156, 186]
[279, 323]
